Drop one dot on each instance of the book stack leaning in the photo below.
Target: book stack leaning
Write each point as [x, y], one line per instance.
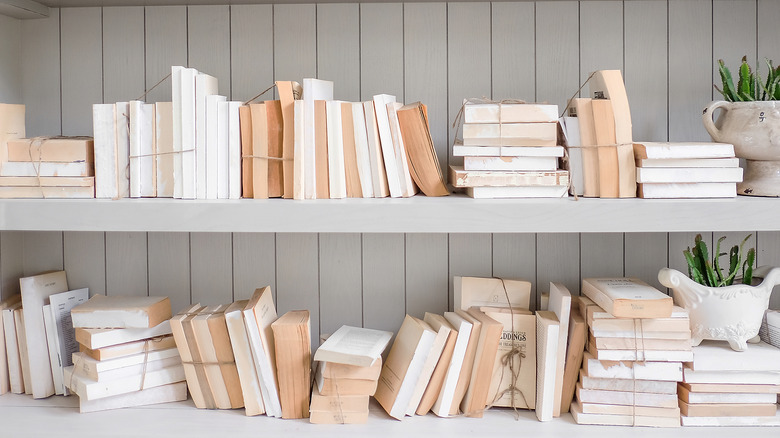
[634, 356]
[128, 356]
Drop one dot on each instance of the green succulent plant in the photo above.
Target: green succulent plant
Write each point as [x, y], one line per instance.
[750, 86]
[709, 272]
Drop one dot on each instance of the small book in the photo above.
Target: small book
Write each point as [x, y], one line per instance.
[666, 371]
[476, 398]
[542, 164]
[731, 377]
[336, 174]
[688, 175]
[626, 398]
[682, 150]
[423, 163]
[459, 150]
[292, 343]
[11, 343]
[121, 312]
[559, 191]
[508, 178]
[628, 297]
[510, 134]
[491, 292]
[273, 109]
[5, 357]
[687, 190]
[100, 338]
[130, 348]
[56, 149]
[628, 385]
[353, 346]
[475, 112]
[159, 394]
[332, 370]
[247, 152]
[630, 419]
[517, 359]
[88, 389]
[718, 356]
[547, 330]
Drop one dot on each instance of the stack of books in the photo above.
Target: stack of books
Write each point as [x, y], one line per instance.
[687, 170]
[723, 387]
[48, 167]
[509, 150]
[127, 355]
[637, 344]
[348, 367]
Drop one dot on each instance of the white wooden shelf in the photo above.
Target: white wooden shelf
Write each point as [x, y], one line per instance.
[453, 214]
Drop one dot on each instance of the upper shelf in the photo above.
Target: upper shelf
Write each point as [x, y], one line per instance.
[453, 214]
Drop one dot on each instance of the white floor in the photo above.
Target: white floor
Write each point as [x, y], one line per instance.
[21, 416]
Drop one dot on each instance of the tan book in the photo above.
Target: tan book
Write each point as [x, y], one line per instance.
[292, 344]
[52, 149]
[547, 329]
[259, 150]
[333, 370]
[464, 378]
[354, 188]
[321, 149]
[496, 178]
[578, 333]
[475, 400]
[273, 110]
[247, 178]
[607, 384]
[376, 158]
[474, 112]
[346, 387]
[629, 398]
[731, 388]
[90, 367]
[510, 134]
[642, 411]
[337, 403]
[130, 348]
[729, 409]
[491, 292]
[287, 95]
[245, 365]
[403, 366]
[329, 417]
[199, 382]
[213, 381]
[640, 325]
[695, 398]
[559, 302]
[644, 344]
[604, 129]
[99, 338]
[608, 84]
[101, 311]
[354, 346]
[590, 154]
[628, 297]
[518, 339]
[621, 420]
[442, 333]
[593, 312]
[431, 394]
[424, 165]
[224, 354]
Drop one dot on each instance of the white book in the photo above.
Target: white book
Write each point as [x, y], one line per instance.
[104, 127]
[337, 176]
[688, 174]
[313, 89]
[245, 364]
[645, 355]
[642, 411]
[386, 142]
[639, 333]
[212, 145]
[688, 190]
[44, 169]
[99, 338]
[682, 150]
[508, 112]
[119, 311]
[510, 134]
[61, 305]
[258, 316]
[24, 357]
[399, 148]
[122, 149]
[621, 420]
[177, 72]
[163, 126]
[205, 85]
[510, 163]
[458, 150]
[160, 394]
[135, 147]
[132, 370]
[427, 369]
[731, 397]
[234, 151]
[92, 368]
[547, 331]
[362, 152]
[560, 304]
[223, 153]
[4, 358]
[770, 328]
[518, 192]
[609, 384]
[188, 147]
[12, 350]
[718, 356]
[353, 346]
[55, 360]
[412, 375]
[731, 377]
[143, 170]
[375, 154]
[571, 132]
[471, 292]
[665, 371]
[630, 398]
[443, 403]
[731, 421]
[299, 170]
[688, 162]
[88, 389]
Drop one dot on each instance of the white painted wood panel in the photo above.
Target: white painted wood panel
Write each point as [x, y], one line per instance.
[211, 268]
[513, 44]
[557, 259]
[251, 51]
[381, 50]
[645, 254]
[338, 49]
[166, 45]
[82, 68]
[341, 281]
[42, 252]
[124, 73]
[427, 274]
[295, 42]
[169, 267]
[254, 263]
[384, 288]
[84, 258]
[768, 33]
[208, 42]
[557, 48]
[11, 262]
[126, 264]
[297, 282]
[768, 254]
[601, 38]
[41, 75]
[514, 256]
[734, 25]
[469, 255]
[601, 255]
[11, 54]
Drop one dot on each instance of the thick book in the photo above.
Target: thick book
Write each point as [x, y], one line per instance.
[687, 190]
[273, 109]
[424, 165]
[313, 89]
[575, 349]
[332, 370]
[100, 338]
[691, 397]
[731, 377]
[724, 388]
[143, 165]
[88, 389]
[718, 356]
[688, 175]
[629, 419]
[583, 107]
[439, 324]
[150, 396]
[510, 134]
[699, 163]
[259, 149]
[508, 178]
[547, 330]
[442, 334]
[207, 361]
[330, 386]
[642, 411]
[223, 353]
[205, 85]
[489, 112]
[121, 312]
[491, 292]
[729, 409]
[354, 346]
[163, 125]
[627, 385]
[559, 191]
[608, 84]
[320, 162]
[292, 343]
[666, 371]
[5, 358]
[104, 128]
[245, 365]
[148, 366]
[682, 150]
[626, 398]
[212, 144]
[617, 170]
[375, 155]
[543, 164]
[408, 187]
[513, 382]
[188, 351]
[730, 421]
[247, 144]
[628, 297]
[560, 304]
[640, 354]
[476, 398]
[93, 368]
[443, 405]
[459, 150]
[337, 403]
[161, 342]
[385, 140]
[14, 360]
[259, 314]
[288, 92]
[404, 364]
[55, 149]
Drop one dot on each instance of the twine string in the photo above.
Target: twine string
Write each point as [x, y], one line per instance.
[568, 102]
[261, 93]
[153, 87]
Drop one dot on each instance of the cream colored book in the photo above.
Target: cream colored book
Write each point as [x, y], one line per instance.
[259, 314]
[55, 356]
[718, 356]
[510, 134]
[394, 183]
[501, 163]
[468, 361]
[495, 178]
[130, 348]
[215, 381]
[43, 192]
[143, 171]
[641, 355]
[688, 175]
[547, 331]
[731, 388]
[608, 84]
[577, 339]
[729, 409]
[644, 344]
[220, 337]
[642, 335]
[508, 112]
[182, 333]
[731, 377]
[104, 127]
[133, 370]
[408, 186]
[682, 150]
[292, 335]
[666, 371]
[11, 342]
[491, 292]
[233, 151]
[730, 421]
[671, 163]
[642, 411]
[376, 159]
[333, 370]
[518, 192]
[205, 85]
[288, 92]
[163, 125]
[362, 153]
[444, 400]
[459, 150]
[593, 313]
[313, 89]
[122, 125]
[560, 304]
[121, 312]
[621, 420]
[259, 116]
[47, 181]
[299, 160]
[629, 398]
[438, 323]
[101, 338]
[351, 168]
[24, 358]
[354, 346]
[45, 168]
[88, 389]
[247, 373]
[56, 149]
[687, 190]
[628, 297]
[519, 340]
[476, 398]
[329, 417]
[5, 358]
[608, 384]
[727, 397]
[442, 334]
[337, 171]
[337, 403]
[92, 368]
[160, 394]
[329, 386]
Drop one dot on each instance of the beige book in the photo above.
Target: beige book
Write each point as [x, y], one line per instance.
[501, 163]
[724, 398]
[403, 366]
[90, 367]
[68, 192]
[223, 348]
[621, 420]
[607, 384]
[100, 338]
[247, 373]
[508, 112]
[510, 134]
[640, 355]
[259, 150]
[459, 150]
[47, 181]
[640, 325]
[130, 348]
[292, 335]
[11, 343]
[52, 149]
[130, 371]
[337, 403]
[332, 370]
[630, 398]
[408, 186]
[728, 409]
[560, 304]
[352, 174]
[121, 312]
[354, 346]
[666, 371]
[644, 344]
[590, 154]
[438, 323]
[423, 164]
[88, 389]
[731, 388]
[682, 150]
[7, 303]
[24, 356]
[161, 394]
[326, 417]
[199, 383]
[547, 329]
[247, 178]
[476, 398]
[604, 129]
[519, 340]
[628, 297]
[497, 178]
[210, 357]
[376, 159]
[444, 404]
[163, 125]
[642, 411]
[259, 314]
[491, 292]
[687, 190]
[321, 149]
[299, 162]
[337, 176]
[593, 312]
[347, 387]
[718, 356]
[11, 126]
[287, 95]
[608, 84]
[578, 333]
[464, 378]
[709, 163]
[642, 335]
[273, 110]
[731, 421]
[731, 377]
[46, 168]
[442, 333]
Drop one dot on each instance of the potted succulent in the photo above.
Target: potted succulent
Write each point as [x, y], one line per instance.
[724, 304]
[750, 120]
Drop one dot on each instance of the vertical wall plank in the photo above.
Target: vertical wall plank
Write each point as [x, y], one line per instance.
[601, 255]
[254, 263]
[690, 73]
[382, 50]
[42, 252]
[679, 242]
[468, 58]
[768, 32]
[384, 297]
[557, 49]
[166, 45]
[11, 265]
[211, 270]
[470, 255]
[169, 267]
[84, 255]
[126, 264]
[734, 27]
[251, 50]
[427, 274]
[514, 256]
[601, 38]
[11, 54]
[82, 68]
[513, 50]
[295, 42]
[646, 69]
[557, 259]
[297, 279]
[645, 255]
[208, 42]
[41, 74]
[341, 281]
[124, 75]
[338, 48]
[425, 67]
[768, 254]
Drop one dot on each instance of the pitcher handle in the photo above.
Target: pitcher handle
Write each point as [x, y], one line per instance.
[708, 118]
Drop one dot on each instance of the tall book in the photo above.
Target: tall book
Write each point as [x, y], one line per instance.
[212, 144]
[104, 128]
[337, 173]
[24, 357]
[604, 129]
[476, 398]
[362, 152]
[163, 113]
[386, 142]
[320, 163]
[590, 156]
[245, 364]
[123, 148]
[185, 342]
[292, 343]
[628, 297]
[13, 357]
[274, 113]
[560, 305]
[442, 334]
[547, 329]
[353, 346]
[423, 163]
[438, 323]
[223, 149]
[259, 314]
[376, 159]
[205, 85]
[223, 350]
[313, 89]
[214, 381]
[5, 357]
[351, 170]
[408, 187]
[234, 149]
[62, 329]
[143, 150]
[259, 150]
[247, 136]
[184, 167]
[578, 334]
[444, 406]
[299, 160]
[287, 95]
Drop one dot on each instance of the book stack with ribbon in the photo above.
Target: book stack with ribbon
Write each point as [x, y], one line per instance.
[510, 150]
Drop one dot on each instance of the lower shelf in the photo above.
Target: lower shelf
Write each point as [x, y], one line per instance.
[22, 416]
